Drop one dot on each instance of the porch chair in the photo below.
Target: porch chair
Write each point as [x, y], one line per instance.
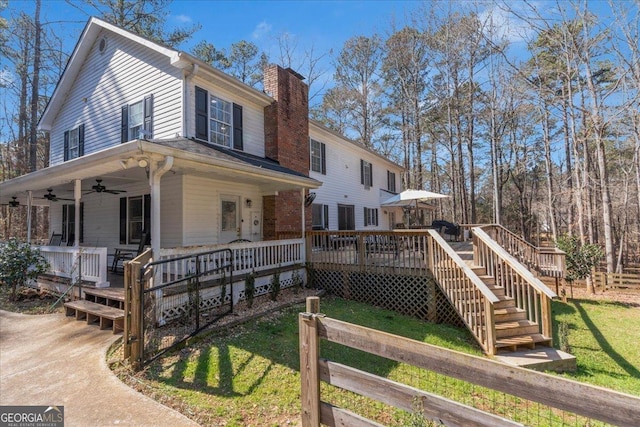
[55, 240]
[125, 255]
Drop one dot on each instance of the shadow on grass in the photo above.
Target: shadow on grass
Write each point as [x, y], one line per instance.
[602, 340]
[215, 364]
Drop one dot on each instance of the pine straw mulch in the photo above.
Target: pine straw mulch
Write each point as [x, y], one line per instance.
[28, 301]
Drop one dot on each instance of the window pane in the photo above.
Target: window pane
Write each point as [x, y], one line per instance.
[136, 215]
[136, 119]
[316, 215]
[229, 216]
[220, 114]
[316, 156]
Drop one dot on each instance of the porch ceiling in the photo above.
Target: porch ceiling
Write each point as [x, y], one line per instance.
[120, 163]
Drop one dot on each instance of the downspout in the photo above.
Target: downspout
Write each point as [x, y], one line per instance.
[29, 204]
[185, 99]
[303, 249]
[77, 195]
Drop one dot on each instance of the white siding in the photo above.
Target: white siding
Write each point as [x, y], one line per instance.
[252, 116]
[124, 73]
[202, 218]
[341, 184]
[171, 210]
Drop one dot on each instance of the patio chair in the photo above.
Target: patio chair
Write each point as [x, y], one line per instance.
[122, 255]
[55, 240]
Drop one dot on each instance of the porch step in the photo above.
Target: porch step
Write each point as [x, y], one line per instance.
[515, 328]
[509, 314]
[107, 317]
[111, 297]
[529, 341]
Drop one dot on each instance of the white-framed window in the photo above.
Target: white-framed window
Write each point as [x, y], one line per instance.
[391, 181]
[74, 143]
[220, 121]
[135, 218]
[370, 216]
[136, 119]
[366, 174]
[320, 216]
[318, 157]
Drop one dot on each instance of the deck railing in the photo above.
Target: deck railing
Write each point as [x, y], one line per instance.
[464, 290]
[399, 251]
[547, 261]
[63, 261]
[246, 257]
[529, 293]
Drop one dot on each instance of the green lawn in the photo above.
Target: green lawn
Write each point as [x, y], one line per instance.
[249, 374]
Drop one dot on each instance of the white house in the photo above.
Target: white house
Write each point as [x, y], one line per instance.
[150, 142]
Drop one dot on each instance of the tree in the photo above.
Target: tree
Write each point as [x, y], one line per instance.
[581, 259]
[144, 17]
[20, 262]
[208, 53]
[244, 61]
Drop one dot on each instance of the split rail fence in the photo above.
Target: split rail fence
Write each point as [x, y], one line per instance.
[555, 392]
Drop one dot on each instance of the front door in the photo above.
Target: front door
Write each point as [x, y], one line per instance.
[230, 218]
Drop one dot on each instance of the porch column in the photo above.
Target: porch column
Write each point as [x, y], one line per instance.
[29, 203]
[77, 195]
[157, 170]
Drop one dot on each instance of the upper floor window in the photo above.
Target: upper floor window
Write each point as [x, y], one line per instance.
[137, 120]
[74, 143]
[218, 121]
[366, 174]
[391, 181]
[318, 157]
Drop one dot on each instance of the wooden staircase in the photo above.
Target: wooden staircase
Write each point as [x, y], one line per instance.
[103, 306]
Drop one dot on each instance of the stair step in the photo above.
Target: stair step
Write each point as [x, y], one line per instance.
[487, 280]
[107, 317]
[509, 314]
[515, 328]
[528, 340]
[480, 271]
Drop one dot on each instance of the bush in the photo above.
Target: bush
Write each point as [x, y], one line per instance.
[297, 282]
[580, 259]
[250, 288]
[19, 262]
[275, 285]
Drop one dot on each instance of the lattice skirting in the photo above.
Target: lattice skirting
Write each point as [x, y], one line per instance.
[417, 296]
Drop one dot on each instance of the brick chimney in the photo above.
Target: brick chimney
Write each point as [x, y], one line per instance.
[286, 133]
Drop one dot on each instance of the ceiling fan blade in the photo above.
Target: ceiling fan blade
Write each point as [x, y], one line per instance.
[115, 191]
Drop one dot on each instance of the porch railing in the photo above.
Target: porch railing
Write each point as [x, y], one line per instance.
[63, 261]
[546, 261]
[529, 293]
[246, 257]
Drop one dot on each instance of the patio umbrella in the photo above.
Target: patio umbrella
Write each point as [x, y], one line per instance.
[411, 198]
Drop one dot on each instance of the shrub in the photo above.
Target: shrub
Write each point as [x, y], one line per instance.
[223, 287]
[275, 285]
[250, 288]
[19, 262]
[580, 259]
[296, 281]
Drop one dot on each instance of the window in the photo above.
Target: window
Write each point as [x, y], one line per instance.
[218, 121]
[137, 120]
[320, 216]
[370, 216]
[366, 174]
[318, 157]
[69, 223]
[346, 217]
[74, 143]
[391, 181]
[135, 218]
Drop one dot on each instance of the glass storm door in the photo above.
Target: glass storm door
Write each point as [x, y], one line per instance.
[230, 219]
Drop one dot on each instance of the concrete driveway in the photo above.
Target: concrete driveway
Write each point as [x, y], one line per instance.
[55, 360]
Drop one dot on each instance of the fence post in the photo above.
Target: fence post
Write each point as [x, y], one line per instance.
[309, 374]
[136, 328]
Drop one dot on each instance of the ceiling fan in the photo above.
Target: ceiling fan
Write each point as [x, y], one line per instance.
[99, 188]
[13, 203]
[52, 197]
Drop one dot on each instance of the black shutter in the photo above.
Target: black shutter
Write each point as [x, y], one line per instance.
[237, 127]
[81, 222]
[376, 216]
[147, 218]
[66, 146]
[323, 155]
[124, 126]
[64, 223]
[366, 217]
[81, 142]
[123, 220]
[361, 171]
[371, 174]
[148, 115]
[202, 116]
[326, 216]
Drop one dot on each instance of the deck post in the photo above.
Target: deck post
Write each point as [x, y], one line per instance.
[309, 372]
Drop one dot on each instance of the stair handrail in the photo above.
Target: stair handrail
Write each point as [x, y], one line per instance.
[515, 278]
[479, 318]
[536, 253]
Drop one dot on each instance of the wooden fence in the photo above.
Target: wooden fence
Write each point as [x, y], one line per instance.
[556, 392]
[616, 280]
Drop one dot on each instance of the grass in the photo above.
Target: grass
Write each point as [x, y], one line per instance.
[605, 338]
